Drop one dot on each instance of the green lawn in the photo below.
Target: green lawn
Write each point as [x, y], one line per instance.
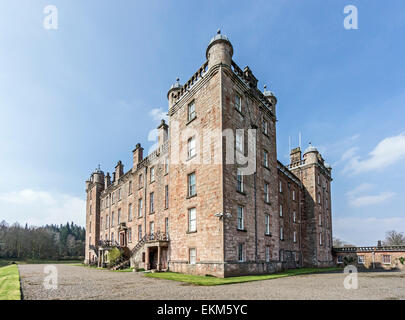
[10, 283]
[6, 262]
[213, 281]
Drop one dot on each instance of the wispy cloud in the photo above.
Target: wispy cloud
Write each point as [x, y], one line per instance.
[158, 114]
[41, 207]
[357, 198]
[387, 152]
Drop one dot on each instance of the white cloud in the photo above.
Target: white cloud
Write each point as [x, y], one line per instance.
[358, 199]
[41, 207]
[387, 152]
[371, 199]
[366, 231]
[158, 114]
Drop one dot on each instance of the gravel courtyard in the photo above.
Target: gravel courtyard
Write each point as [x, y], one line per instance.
[76, 282]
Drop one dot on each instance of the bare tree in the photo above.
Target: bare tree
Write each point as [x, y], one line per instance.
[393, 238]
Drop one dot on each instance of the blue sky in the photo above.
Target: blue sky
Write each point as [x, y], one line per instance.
[87, 92]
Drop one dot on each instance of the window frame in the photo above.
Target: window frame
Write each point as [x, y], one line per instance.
[192, 221]
[240, 217]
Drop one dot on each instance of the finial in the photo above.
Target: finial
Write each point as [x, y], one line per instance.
[219, 31]
[177, 79]
[265, 87]
[99, 167]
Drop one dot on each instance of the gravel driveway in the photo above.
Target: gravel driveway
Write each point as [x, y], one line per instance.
[76, 282]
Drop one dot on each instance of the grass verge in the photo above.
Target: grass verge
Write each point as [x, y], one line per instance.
[10, 283]
[213, 281]
[6, 262]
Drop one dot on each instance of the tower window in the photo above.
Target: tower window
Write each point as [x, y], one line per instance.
[240, 218]
[191, 147]
[240, 252]
[265, 158]
[267, 223]
[239, 179]
[238, 102]
[192, 190]
[266, 193]
[265, 126]
[192, 220]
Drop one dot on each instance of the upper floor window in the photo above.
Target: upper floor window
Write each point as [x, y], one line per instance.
[129, 187]
[241, 219]
[265, 126]
[152, 174]
[266, 193]
[140, 180]
[280, 186]
[192, 220]
[192, 190]
[139, 232]
[113, 197]
[129, 235]
[166, 165]
[140, 203]
[119, 216]
[112, 219]
[267, 223]
[293, 194]
[239, 181]
[281, 233]
[319, 198]
[152, 202]
[320, 220]
[265, 158]
[107, 222]
[191, 148]
[166, 196]
[239, 141]
[319, 179]
[90, 210]
[295, 236]
[119, 194]
[294, 216]
[167, 225]
[130, 212]
[320, 238]
[191, 111]
[281, 210]
[238, 102]
[267, 253]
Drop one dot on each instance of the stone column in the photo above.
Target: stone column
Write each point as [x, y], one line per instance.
[158, 258]
[147, 264]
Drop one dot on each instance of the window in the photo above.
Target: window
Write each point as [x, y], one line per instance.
[107, 222]
[320, 219]
[152, 174]
[238, 102]
[239, 140]
[386, 259]
[90, 227]
[152, 228]
[240, 252]
[240, 218]
[113, 197]
[191, 148]
[112, 219]
[320, 238]
[112, 236]
[295, 236]
[90, 240]
[267, 223]
[191, 111]
[152, 202]
[281, 210]
[130, 212]
[339, 259]
[280, 186]
[101, 222]
[129, 187]
[140, 207]
[360, 259]
[266, 193]
[265, 158]
[294, 216]
[239, 181]
[167, 226]
[192, 225]
[267, 254]
[119, 216]
[281, 233]
[192, 254]
[140, 181]
[90, 210]
[166, 196]
[119, 194]
[265, 126]
[319, 198]
[293, 194]
[191, 185]
[319, 179]
[129, 235]
[139, 232]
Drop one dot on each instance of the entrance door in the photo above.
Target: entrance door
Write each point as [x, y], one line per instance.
[152, 259]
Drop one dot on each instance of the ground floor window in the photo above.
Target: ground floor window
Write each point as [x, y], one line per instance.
[240, 252]
[267, 254]
[192, 254]
[339, 259]
[386, 259]
[360, 259]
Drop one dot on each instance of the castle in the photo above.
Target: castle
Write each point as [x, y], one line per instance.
[213, 199]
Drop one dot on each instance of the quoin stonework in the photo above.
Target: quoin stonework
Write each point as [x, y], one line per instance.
[213, 199]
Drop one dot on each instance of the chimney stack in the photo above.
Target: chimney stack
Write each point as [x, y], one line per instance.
[137, 155]
[295, 155]
[107, 180]
[162, 133]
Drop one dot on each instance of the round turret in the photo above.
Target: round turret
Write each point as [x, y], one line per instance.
[219, 50]
[173, 89]
[311, 154]
[271, 97]
[98, 176]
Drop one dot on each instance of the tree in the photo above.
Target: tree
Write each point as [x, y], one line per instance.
[393, 238]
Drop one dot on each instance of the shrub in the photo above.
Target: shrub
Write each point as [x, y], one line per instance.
[402, 260]
[113, 256]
